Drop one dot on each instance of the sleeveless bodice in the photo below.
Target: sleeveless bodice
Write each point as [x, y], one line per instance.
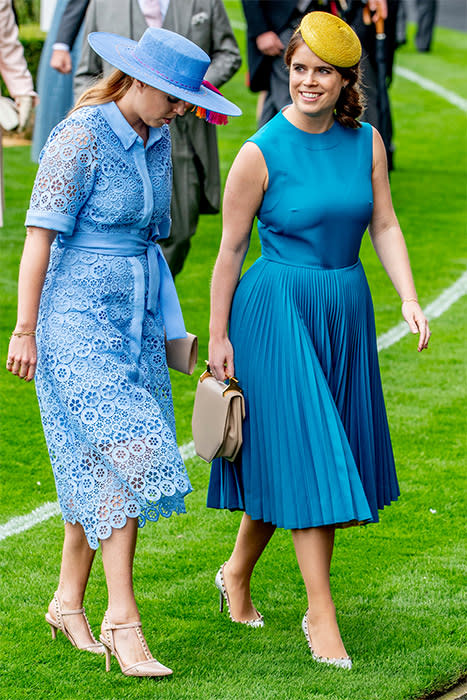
[315, 210]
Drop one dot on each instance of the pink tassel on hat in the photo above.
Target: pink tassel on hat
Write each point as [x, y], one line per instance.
[210, 116]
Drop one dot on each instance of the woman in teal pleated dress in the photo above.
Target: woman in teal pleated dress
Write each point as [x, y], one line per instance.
[298, 329]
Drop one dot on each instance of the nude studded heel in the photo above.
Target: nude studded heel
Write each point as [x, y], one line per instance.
[59, 624]
[151, 667]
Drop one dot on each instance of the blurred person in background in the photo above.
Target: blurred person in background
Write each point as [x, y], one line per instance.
[363, 15]
[17, 78]
[67, 32]
[60, 55]
[196, 176]
[425, 17]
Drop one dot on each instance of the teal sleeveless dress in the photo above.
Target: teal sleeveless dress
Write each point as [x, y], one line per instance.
[316, 449]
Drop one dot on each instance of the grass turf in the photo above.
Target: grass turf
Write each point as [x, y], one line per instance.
[397, 586]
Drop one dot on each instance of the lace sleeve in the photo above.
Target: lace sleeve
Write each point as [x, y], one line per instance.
[65, 177]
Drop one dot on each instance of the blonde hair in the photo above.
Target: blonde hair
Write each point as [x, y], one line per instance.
[109, 89]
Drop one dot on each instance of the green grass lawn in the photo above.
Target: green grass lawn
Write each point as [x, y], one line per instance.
[398, 586]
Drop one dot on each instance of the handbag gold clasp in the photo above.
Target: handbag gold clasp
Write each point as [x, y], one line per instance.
[233, 384]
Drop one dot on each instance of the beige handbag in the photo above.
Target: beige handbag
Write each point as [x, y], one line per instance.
[218, 414]
[182, 353]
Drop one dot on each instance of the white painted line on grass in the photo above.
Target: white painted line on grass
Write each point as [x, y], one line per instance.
[429, 85]
[24, 522]
[187, 451]
[433, 310]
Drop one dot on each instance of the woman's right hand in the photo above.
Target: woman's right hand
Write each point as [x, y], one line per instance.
[22, 352]
[243, 194]
[221, 361]
[22, 356]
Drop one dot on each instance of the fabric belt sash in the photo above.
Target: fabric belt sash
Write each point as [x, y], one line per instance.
[161, 287]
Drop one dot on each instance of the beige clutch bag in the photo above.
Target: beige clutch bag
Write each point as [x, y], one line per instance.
[182, 353]
[218, 414]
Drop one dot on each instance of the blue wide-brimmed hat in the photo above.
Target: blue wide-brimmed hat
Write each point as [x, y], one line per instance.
[167, 61]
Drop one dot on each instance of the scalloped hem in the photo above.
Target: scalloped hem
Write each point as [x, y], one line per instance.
[165, 507]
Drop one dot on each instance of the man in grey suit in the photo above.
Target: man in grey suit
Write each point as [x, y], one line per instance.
[68, 30]
[196, 177]
[424, 13]
[426, 16]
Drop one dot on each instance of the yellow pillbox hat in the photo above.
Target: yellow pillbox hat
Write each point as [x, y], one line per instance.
[331, 39]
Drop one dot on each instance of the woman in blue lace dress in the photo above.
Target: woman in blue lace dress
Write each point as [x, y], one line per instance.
[316, 453]
[93, 277]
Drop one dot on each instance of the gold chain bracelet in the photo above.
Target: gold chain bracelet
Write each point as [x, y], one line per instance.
[411, 299]
[19, 334]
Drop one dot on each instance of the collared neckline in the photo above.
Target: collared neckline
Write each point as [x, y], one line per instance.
[125, 132]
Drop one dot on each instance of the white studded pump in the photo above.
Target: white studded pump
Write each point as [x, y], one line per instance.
[223, 595]
[343, 662]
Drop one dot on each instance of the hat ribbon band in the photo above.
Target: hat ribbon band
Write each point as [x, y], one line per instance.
[191, 85]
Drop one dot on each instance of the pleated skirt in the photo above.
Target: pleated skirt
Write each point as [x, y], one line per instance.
[316, 448]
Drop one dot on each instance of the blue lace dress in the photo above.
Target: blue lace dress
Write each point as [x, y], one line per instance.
[102, 379]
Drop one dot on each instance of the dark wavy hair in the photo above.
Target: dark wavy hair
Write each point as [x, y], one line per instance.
[351, 103]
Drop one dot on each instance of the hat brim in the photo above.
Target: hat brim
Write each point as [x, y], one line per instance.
[118, 51]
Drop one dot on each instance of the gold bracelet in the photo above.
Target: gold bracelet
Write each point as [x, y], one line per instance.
[411, 299]
[19, 334]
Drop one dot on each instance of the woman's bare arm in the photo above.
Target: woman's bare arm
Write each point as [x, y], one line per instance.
[389, 244]
[244, 190]
[22, 355]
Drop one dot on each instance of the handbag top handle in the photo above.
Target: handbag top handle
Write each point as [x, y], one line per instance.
[233, 384]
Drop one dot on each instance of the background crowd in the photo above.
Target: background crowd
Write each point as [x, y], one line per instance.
[68, 66]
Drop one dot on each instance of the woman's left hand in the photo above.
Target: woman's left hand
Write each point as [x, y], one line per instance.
[418, 323]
